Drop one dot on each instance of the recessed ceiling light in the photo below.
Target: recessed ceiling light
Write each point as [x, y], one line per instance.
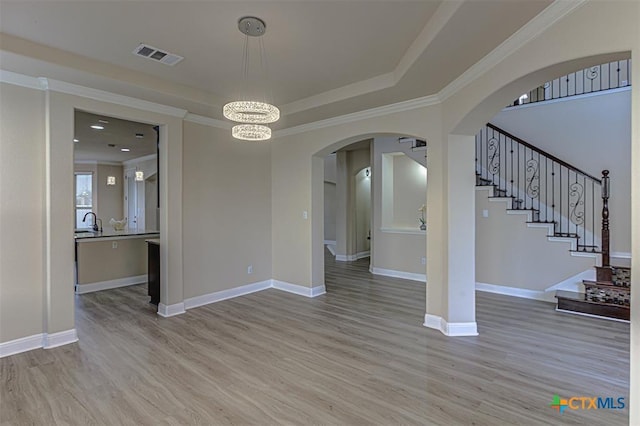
[139, 135]
[75, 140]
[125, 149]
[97, 127]
[103, 121]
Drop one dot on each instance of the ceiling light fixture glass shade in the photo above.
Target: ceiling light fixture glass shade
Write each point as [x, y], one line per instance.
[251, 132]
[251, 112]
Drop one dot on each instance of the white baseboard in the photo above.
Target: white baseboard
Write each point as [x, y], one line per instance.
[330, 242]
[53, 340]
[218, 296]
[332, 249]
[170, 310]
[37, 341]
[399, 274]
[106, 285]
[516, 292]
[298, 289]
[352, 257]
[23, 344]
[453, 329]
[574, 283]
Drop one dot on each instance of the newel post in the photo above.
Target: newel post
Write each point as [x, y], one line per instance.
[605, 218]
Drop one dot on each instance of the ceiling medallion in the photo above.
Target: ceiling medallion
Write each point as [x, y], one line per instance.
[252, 113]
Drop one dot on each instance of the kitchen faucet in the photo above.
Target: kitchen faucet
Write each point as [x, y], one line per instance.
[95, 221]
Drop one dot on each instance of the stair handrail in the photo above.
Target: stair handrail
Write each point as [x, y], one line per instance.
[551, 190]
[543, 152]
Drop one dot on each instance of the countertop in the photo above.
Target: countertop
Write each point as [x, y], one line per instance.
[155, 241]
[110, 234]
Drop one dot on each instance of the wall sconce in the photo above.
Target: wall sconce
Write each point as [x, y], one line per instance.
[111, 180]
[139, 176]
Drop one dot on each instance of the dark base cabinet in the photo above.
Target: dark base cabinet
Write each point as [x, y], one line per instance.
[154, 271]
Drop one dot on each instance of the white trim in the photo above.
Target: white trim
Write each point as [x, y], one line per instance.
[104, 96]
[410, 231]
[524, 293]
[134, 161]
[454, 329]
[399, 274]
[549, 16]
[352, 257]
[53, 340]
[572, 241]
[591, 315]
[20, 80]
[170, 310]
[574, 283]
[360, 115]
[332, 249]
[620, 254]
[194, 302]
[597, 256]
[106, 285]
[20, 345]
[298, 289]
[331, 242]
[207, 121]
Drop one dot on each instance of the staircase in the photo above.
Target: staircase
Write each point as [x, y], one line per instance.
[558, 196]
[609, 296]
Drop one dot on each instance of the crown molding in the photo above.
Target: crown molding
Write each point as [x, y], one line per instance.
[360, 115]
[440, 18]
[207, 121]
[22, 80]
[349, 91]
[104, 96]
[549, 16]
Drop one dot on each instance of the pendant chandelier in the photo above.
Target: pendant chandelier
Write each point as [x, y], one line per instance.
[252, 113]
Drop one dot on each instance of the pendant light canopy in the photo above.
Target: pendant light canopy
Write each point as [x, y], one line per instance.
[251, 112]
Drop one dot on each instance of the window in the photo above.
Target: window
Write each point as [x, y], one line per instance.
[84, 198]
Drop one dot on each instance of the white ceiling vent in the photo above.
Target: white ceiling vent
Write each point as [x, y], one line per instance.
[157, 55]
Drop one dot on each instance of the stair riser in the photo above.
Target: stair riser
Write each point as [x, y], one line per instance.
[592, 309]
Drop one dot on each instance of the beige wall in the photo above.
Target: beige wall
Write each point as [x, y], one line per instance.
[409, 191]
[100, 261]
[22, 238]
[508, 253]
[398, 243]
[329, 211]
[594, 28]
[226, 211]
[110, 197]
[592, 133]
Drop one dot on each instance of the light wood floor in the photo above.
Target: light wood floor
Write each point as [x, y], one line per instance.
[357, 355]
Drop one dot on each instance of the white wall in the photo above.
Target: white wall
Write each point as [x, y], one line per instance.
[110, 197]
[409, 191]
[591, 132]
[362, 211]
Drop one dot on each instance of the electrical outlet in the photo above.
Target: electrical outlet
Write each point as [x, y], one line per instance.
[250, 269]
[305, 215]
[485, 213]
[423, 261]
[114, 244]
